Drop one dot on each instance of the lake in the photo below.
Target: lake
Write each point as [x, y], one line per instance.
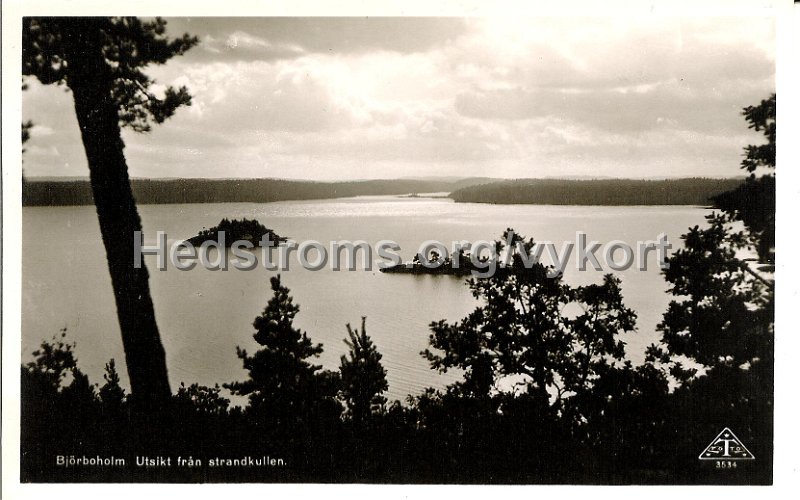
[203, 315]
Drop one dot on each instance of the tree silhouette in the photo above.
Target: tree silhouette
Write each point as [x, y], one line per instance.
[112, 395]
[101, 61]
[26, 136]
[724, 311]
[284, 386]
[719, 316]
[718, 331]
[202, 399]
[363, 376]
[521, 333]
[54, 385]
[26, 132]
[54, 366]
[753, 203]
[761, 118]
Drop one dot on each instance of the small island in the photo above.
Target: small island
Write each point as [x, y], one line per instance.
[447, 266]
[464, 266]
[237, 230]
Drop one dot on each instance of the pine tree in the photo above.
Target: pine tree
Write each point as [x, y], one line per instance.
[723, 312]
[101, 60]
[753, 203]
[283, 387]
[363, 376]
[718, 331]
[112, 395]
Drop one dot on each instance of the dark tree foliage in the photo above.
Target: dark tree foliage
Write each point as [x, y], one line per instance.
[725, 311]
[26, 132]
[723, 315]
[54, 369]
[56, 49]
[111, 393]
[363, 376]
[753, 203]
[57, 400]
[101, 60]
[26, 136]
[202, 399]
[284, 387]
[522, 335]
[761, 118]
[718, 332]
[689, 191]
[235, 230]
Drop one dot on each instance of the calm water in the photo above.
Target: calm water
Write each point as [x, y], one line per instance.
[203, 315]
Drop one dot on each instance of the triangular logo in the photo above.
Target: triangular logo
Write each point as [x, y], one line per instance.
[726, 446]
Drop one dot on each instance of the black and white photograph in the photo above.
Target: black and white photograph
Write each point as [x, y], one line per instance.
[449, 248]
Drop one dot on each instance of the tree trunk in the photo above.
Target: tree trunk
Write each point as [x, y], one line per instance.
[90, 80]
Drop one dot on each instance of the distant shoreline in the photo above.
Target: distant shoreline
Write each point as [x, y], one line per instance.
[601, 192]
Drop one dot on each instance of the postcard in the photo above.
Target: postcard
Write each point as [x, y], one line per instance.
[513, 247]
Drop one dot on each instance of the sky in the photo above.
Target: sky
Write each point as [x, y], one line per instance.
[512, 97]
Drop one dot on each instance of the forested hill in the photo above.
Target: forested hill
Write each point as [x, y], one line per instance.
[160, 191]
[689, 191]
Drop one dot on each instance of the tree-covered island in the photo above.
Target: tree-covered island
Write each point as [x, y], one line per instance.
[237, 230]
[436, 264]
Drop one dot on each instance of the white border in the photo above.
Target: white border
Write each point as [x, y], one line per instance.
[786, 377]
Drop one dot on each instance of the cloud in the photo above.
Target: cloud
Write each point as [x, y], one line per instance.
[615, 75]
[285, 37]
[353, 98]
[243, 46]
[669, 105]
